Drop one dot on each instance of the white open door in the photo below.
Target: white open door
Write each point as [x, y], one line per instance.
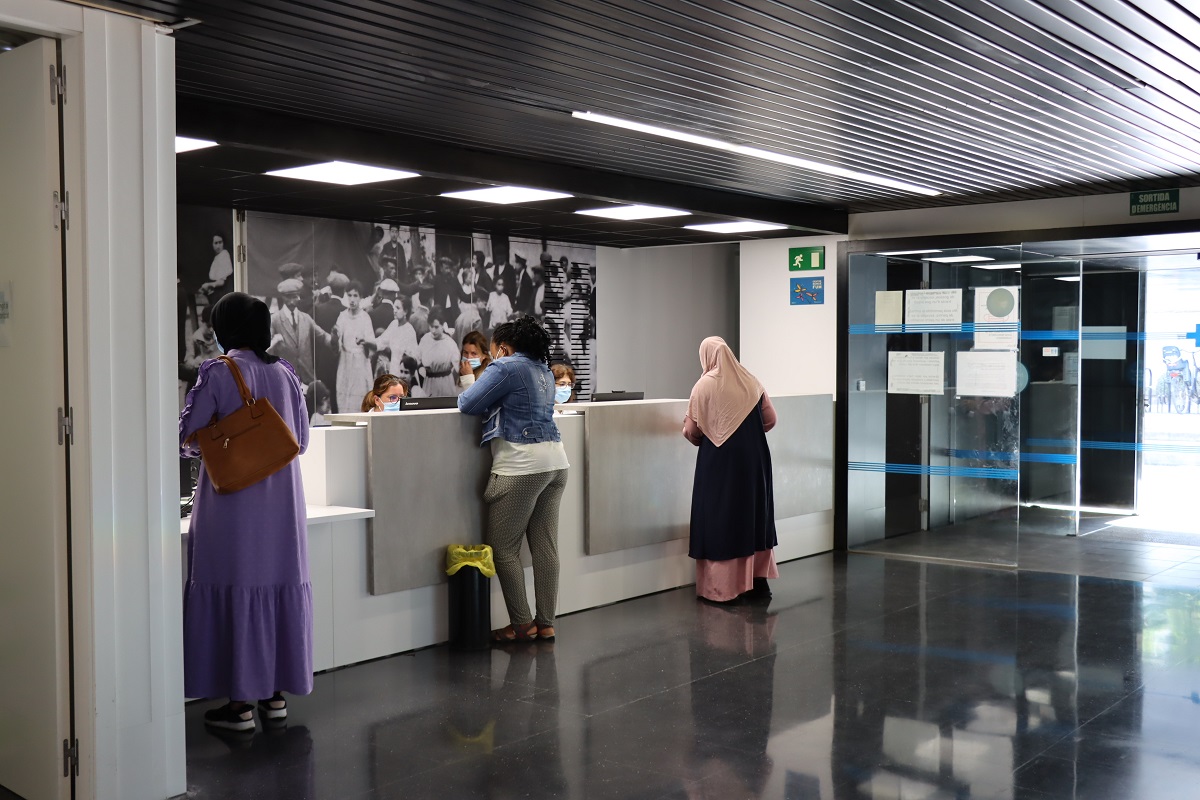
[35, 704]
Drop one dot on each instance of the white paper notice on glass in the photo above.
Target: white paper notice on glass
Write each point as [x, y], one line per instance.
[986, 373]
[993, 305]
[1071, 368]
[5, 312]
[915, 372]
[889, 308]
[933, 307]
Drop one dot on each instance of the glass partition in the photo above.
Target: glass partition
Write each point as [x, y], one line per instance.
[935, 417]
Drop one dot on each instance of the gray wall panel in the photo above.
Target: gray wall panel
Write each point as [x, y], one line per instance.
[802, 454]
[427, 476]
[639, 474]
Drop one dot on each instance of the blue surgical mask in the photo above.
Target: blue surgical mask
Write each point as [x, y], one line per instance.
[474, 362]
[392, 406]
[562, 394]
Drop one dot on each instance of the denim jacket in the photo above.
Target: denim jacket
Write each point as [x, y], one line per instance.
[515, 397]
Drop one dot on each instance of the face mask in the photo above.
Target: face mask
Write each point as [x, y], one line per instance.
[222, 349]
[392, 406]
[474, 362]
[562, 394]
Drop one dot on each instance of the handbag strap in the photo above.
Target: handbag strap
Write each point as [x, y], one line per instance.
[243, 389]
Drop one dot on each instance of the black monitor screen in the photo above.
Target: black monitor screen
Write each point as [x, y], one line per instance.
[613, 397]
[418, 403]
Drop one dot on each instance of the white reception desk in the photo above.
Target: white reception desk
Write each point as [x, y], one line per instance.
[385, 499]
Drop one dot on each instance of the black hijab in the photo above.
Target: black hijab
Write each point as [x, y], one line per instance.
[243, 322]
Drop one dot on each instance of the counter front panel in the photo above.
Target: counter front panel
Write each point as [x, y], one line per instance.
[426, 480]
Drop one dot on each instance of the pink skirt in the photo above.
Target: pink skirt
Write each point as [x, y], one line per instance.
[725, 580]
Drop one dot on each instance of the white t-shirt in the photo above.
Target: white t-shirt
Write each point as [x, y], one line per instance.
[527, 459]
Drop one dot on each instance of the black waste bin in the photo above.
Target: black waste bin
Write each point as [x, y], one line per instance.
[469, 568]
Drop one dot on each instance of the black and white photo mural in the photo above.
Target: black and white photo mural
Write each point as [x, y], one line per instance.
[204, 273]
[353, 300]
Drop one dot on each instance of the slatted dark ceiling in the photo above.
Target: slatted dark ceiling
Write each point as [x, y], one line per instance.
[980, 99]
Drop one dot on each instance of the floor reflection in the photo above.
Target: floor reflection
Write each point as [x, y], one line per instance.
[863, 678]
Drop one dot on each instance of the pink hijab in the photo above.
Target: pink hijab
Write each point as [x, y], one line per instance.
[725, 393]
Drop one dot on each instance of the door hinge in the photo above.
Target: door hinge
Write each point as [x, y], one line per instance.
[58, 84]
[924, 400]
[70, 757]
[241, 254]
[923, 504]
[62, 210]
[66, 426]
[240, 215]
[924, 285]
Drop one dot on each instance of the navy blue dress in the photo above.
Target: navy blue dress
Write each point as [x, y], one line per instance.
[733, 500]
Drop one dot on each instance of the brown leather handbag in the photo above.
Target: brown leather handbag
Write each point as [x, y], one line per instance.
[248, 445]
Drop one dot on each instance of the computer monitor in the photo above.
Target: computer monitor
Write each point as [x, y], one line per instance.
[616, 396]
[421, 403]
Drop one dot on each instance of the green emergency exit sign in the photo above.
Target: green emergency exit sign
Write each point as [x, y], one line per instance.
[1164, 201]
[806, 258]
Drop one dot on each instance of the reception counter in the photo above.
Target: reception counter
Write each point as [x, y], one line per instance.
[410, 483]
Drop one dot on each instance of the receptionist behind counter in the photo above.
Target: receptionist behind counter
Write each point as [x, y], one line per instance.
[385, 395]
[564, 383]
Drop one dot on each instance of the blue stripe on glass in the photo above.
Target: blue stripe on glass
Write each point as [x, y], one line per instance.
[982, 455]
[1093, 444]
[940, 470]
[1048, 458]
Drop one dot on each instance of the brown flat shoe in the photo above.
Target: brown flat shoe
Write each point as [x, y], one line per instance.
[509, 634]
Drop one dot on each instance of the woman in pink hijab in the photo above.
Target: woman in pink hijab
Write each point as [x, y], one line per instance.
[733, 506]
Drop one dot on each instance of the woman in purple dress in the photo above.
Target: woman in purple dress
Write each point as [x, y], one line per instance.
[247, 605]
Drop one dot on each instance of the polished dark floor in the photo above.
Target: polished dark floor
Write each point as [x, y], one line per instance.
[865, 677]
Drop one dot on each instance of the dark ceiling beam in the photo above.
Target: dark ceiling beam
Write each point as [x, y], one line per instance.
[308, 138]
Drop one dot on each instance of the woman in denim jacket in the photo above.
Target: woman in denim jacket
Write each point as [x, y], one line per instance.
[515, 397]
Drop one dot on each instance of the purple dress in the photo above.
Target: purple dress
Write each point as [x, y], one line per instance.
[247, 605]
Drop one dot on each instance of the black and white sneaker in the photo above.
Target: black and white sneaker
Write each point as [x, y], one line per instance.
[274, 709]
[230, 719]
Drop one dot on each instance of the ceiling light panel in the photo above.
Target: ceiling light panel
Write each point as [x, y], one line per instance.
[755, 152]
[1069, 278]
[506, 195]
[736, 227]
[907, 252]
[959, 259]
[184, 144]
[998, 266]
[634, 212]
[343, 173]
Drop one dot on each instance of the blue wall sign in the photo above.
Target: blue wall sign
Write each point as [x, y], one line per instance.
[808, 291]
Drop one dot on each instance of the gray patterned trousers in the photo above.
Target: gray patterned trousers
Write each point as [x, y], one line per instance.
[520, 507]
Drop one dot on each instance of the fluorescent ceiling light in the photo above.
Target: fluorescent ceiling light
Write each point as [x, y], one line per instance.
[959, 259]
[907, 252]
[342, 173]
[754, 152]
[1069, 278]
[505, 195]
[1013, 265]
[183, 144]
[634, 212]
[736, 227]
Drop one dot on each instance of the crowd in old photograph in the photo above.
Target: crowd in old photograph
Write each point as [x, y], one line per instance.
[407, 311]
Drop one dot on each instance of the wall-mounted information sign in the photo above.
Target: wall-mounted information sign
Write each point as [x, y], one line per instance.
[1164, 201]
[808, 291]
[806, 258]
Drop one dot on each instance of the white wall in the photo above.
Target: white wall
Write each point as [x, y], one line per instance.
[653, 307]
[791, 349]
[1023, 215]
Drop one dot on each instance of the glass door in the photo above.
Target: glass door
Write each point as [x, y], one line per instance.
[934, 436]
[1049, 397]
